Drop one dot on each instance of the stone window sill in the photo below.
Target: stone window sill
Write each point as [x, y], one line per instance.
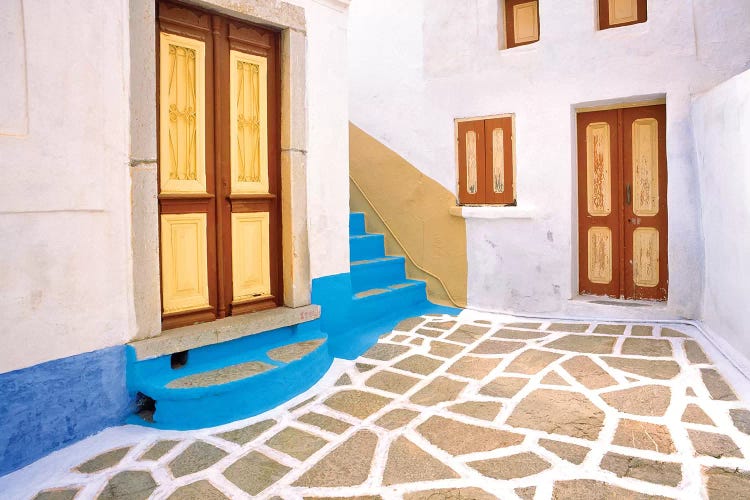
[509, 212]
[223, 330]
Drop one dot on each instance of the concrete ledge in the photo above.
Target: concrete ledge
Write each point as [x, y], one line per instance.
[223, 330]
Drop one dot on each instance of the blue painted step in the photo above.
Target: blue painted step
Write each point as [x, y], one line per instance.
[374, 273]
[366, 246]
[232, 380]
[371, 305]
[357, 223]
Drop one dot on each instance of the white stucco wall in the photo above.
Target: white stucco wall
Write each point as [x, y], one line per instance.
[64, 185]
[416, 66]
[721, 119]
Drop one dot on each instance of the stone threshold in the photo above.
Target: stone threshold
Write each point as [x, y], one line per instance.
[222, 330]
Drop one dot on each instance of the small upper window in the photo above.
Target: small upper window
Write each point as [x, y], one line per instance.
[616, 13]
[521, 22]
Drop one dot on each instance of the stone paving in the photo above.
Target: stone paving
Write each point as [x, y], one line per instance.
[449, 408]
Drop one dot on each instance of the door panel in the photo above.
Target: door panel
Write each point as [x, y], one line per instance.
[645, 212]
[599, 224]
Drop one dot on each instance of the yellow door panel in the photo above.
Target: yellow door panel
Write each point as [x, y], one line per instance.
[251, 276]
[184, 268]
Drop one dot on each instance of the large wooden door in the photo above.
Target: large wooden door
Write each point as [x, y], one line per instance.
[622, 203]
[219, 156]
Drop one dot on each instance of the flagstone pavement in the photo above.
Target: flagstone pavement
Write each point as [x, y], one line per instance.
[453, 408]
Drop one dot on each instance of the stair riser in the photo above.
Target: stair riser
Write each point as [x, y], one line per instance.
[368, 247]
[357, 223]
[374, 307]
[377, 274]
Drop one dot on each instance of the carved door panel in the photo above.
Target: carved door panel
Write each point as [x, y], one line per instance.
[219, 165]
[622, 206]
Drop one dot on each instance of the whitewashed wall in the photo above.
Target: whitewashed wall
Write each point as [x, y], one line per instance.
[416, 66]
[721, 119]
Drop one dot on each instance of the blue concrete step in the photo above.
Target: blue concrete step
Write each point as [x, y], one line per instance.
[357, 223]
[377, 273]
[229, 381]
[371, 305]
[366, 246]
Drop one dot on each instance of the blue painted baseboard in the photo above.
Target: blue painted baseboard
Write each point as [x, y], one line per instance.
[51, 405]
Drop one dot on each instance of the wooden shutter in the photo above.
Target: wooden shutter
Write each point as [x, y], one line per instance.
[498, 178]
[616, 13]
[521, 22]
[471, 162]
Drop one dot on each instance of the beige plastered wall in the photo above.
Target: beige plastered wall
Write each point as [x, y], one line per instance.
[413, 210]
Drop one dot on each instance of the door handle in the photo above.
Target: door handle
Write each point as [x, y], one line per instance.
[628, 194]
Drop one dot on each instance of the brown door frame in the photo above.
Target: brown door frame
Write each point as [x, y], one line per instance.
[621, 219]
[221, 34]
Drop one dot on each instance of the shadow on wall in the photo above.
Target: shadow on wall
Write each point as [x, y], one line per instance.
[415, 209]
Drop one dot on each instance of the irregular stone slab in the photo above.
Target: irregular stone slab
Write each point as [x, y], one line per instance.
[527, 493]
[444, 349]
[343, 380]
[573, 453]
[450, 494]
[558, 412]
[430, 333]
[200, 489]
[133, 485]
[441, 325]
[670, 332]
[347, 465]
[727, 484]
[246, 434]
[385, 352]
[584, 343]
[418, 364]
[568, 327]
[714, 445]
[482, 322]
[532, 362]
[103, 461]
[363, 367]
[647, 347]
[694, 414]
[666, 473]
[530, 326]
[588, 489]
[363, 497]
[504, 387]
[358, 404]
[694, 353]
[408, 463]
[400, 338]
[439, 390]
[497, 347]
[588, 373]
[642, 330]
[610, 329]
[511, 467]
[648, 400]
[296, 443]
[221, 376]
[395, 419]
[458, 438]
[656, 369]
[293, 352]
[255, 472]
[741, 419]
[158, 450]
[472, 367]
[717, 387]
[467, 334]
[409, 324]
[303, 403]
[690, 392]
[644, 436]
[484, 410]
[324, 422]
[552, 378]
[417, 341]
[391, 382]
[506, 333]
[57, 494]
[196, 457]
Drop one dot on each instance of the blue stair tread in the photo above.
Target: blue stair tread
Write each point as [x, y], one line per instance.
[390, 289]
[387, 258]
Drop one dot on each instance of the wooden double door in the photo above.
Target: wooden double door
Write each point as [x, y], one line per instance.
[622, 203]
[219, 154]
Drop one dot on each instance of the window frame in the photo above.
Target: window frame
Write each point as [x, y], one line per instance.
[604, 15]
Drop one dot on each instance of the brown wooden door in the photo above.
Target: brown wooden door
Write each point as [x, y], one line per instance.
[219, 163]
[622, 203]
